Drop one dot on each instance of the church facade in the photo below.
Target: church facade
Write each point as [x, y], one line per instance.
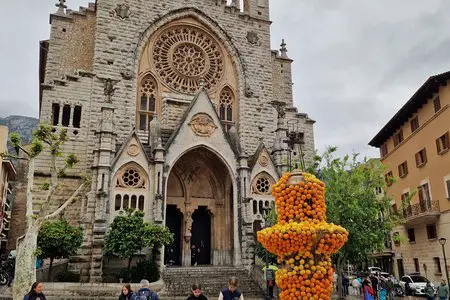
[177, 108]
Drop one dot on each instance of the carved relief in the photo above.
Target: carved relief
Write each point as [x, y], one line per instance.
[188, 226]
[203, 125]
[263, 160]
[253, 38]
[121, 11]
[133, 150]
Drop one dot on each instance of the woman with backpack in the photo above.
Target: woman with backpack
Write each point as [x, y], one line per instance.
[197, 293]
[127, 293]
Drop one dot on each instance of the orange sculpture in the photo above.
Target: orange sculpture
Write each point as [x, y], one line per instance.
[302, 239]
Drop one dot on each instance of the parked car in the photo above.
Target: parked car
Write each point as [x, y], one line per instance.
[374, 270]
[414, 284]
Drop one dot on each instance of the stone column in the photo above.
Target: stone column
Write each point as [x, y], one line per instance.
[72, 112]
[187, 234]
[238, 194]
[61, 107]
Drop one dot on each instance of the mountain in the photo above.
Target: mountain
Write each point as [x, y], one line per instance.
[22, 125]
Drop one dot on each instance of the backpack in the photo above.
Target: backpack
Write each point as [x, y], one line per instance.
[146, 295]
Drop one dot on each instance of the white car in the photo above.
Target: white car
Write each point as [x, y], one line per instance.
[374, 270]
[414, 284]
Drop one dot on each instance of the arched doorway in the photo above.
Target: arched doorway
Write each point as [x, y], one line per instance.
[200, 187]
[201, 237]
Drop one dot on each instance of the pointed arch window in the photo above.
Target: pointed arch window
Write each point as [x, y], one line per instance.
[147, 102]
[226, 107]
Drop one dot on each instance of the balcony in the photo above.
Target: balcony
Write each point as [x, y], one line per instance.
[426, 211]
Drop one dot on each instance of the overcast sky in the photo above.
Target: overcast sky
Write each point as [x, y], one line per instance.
[356, 62]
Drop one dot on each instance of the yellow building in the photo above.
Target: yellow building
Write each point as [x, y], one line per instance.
[414, 148]
[7, 174]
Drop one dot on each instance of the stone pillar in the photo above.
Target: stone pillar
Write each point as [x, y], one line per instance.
[72, 112]
[187, 234]
[157, 207]
[240, 194]
[61, 107]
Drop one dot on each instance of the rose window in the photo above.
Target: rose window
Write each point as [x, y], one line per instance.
[262, 185]
[131, 178]
[183, 56]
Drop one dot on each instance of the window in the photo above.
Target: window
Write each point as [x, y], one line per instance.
[443, 143]
[66, 115]
[55, 114]
[424, 192]
[147, 102]
[383, 150]
[398, 138]
[389, 178]
[421, 158]
[431, 231]
[403, 169]
[416, 265]
[437, 265]
[411, 235]
[226, 102]
[447, 188]
[414, 124]
[77, 117]
[437, 104]
[262, 184]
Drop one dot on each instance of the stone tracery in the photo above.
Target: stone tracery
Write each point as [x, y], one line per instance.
[185, 55]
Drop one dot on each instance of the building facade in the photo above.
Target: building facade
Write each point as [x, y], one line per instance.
[414, 148]
[7, 175]
[177, 108]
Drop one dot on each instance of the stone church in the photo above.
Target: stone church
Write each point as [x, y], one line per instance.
[177, 108]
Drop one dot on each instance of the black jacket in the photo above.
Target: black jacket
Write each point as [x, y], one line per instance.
[34, 296]
[130, 296]
[201, 297]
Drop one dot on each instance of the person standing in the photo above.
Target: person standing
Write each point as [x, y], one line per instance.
[443, 292]
[369, 293]
[10, 266]
[127, 293]
[429, 291]
[231, 293]
[145, 293]
[345, 284]
[356, 286]
[196, 293]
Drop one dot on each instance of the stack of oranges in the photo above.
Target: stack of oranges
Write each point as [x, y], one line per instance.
[302, 239]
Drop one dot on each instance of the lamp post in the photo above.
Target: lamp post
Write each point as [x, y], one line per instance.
[442, 241]
[266, 225]
[295, 137]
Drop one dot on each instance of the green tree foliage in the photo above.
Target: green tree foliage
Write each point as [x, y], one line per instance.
[353, 202]
[58, 239]
[129, 234]
[270, 219]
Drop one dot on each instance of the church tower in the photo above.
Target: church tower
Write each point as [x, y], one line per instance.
[177, 108]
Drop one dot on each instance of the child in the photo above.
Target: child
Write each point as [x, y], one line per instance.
[197, 293]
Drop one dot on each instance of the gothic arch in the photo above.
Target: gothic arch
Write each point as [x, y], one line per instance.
[130, 188]
[142, 39]
[148, 100]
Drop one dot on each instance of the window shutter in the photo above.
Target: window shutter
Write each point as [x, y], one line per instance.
[418, 159]
[424, 155]
[420, 193]
[446, 141]
[438, 145]
[448, 188]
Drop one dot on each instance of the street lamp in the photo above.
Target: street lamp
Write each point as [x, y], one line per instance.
[295, 137]
[442, 241]
[266, 225]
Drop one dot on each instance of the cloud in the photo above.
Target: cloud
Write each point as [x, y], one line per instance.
[355, 62]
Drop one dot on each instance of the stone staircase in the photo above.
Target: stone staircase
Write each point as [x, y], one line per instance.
[178, 281]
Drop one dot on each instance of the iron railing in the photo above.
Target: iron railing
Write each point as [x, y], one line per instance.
[421, 208]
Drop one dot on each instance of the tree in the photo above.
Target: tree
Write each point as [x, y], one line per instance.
[129, 234]
[44, 138]
[58, 239]
[353, 202]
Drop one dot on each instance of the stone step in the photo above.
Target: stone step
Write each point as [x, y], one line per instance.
[178, 280]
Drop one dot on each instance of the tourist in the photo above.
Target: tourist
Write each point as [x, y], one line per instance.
[10, 266]
[127, 293]
[429, 291]
[145, 293]
[345, 284]
[231, 293]
[383, 288]
[356, 285]
[197, 293]
[35, 292]
[374, 281]
[442, 291]
[390, 288]
[369, 293]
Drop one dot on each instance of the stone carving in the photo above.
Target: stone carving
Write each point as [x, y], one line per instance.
[253, 38]
[263, 160]
[158, 208]
[188, 226]
[122, 11]
[279, 106]
[126, 74]
[183, 55]
[133, 150]
[109, 90]
[262, 185]
[203, 125]
[248, 92]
